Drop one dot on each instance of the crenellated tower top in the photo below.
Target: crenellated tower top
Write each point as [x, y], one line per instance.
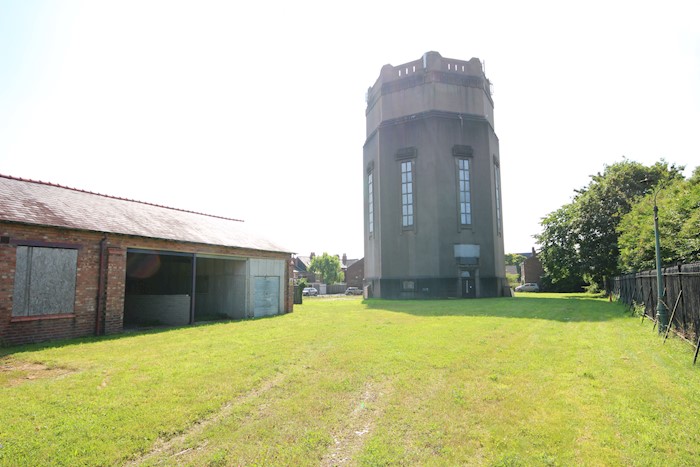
[409, 89]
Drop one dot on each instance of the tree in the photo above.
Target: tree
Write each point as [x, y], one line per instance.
[303, 283]
[559, 250]
[327, 267]
[514, 259]
[679, 226]
[580, 240]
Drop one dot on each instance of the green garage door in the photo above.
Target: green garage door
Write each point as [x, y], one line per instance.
[266, 296]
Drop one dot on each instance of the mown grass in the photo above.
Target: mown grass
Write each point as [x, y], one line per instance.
[535, 380]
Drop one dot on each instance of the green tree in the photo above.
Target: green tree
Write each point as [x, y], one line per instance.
[679, 226]
[580, 240]
[689, 235]
[303, 283]
[559, 250]
[514, 259]
[327, 267]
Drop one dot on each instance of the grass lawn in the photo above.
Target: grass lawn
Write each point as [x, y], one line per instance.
[535, 380]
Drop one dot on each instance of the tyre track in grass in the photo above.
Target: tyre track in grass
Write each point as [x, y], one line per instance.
[174, 447]
[360, 422]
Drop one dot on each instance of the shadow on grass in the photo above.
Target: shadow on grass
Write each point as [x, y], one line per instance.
[564, 307]
[128, 332]
[558, 307]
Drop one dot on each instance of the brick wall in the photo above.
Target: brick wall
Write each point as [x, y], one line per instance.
[289, 291]
[532, 270]
[114, 290]
[354, 276]
[83, 319]
[81, 322]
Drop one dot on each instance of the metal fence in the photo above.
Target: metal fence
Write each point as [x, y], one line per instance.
[682, 285]
[336, 288]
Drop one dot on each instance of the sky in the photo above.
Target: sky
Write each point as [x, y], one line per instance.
[256, 110]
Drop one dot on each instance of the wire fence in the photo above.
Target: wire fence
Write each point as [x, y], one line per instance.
[682, 286]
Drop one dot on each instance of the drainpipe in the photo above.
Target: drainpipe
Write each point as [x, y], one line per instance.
[102, 274]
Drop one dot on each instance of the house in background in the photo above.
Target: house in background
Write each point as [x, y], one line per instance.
[531, 269]
[303, 263]
[301, 268]
[355, 273]
[74, 263]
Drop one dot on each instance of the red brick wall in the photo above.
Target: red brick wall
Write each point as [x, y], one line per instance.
[82, 322]
[289, 290]
[355, 274]
[114, 290]
[33, 329]
[532, 270]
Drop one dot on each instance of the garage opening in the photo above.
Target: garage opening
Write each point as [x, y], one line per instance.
[220, 289]
[159, 288]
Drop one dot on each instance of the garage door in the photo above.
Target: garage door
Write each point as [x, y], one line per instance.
[266, 295]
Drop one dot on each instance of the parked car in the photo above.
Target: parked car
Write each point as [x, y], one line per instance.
[528, 287]
[353, 291]
[309, 291]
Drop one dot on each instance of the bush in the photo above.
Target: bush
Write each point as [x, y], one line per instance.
[568, 284]
[513, 280]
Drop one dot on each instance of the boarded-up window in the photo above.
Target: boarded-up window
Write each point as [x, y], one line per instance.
[266, 296]
[44, 281]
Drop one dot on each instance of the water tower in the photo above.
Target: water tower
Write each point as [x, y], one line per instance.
[432, 184]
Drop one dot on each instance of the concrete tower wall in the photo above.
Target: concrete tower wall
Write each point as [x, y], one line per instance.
[432, 112]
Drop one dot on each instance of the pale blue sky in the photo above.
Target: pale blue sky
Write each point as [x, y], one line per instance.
[256, 111]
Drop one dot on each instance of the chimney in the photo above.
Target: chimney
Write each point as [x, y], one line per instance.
[312, 255]
[345, 258]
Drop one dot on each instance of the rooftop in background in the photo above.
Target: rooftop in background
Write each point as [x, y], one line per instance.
[41, 203]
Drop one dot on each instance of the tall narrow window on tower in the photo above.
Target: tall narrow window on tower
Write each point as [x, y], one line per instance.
[465, 199]
[370, 201]
[407, 194]
[498, 197]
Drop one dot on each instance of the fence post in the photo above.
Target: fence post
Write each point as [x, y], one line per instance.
[682, 285]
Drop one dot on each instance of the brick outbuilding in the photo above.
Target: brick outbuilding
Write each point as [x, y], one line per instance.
[75, 263]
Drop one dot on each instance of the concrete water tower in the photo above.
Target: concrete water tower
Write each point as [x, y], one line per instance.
[432, 184]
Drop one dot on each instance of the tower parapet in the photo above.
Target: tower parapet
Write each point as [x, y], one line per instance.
[430, 83]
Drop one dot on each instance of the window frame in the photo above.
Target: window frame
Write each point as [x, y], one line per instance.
[469, 171]
[498, 195]
[370, 202]
[408, 194]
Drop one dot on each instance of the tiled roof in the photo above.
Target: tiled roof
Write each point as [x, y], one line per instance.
[305, 262]
[40, 203]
